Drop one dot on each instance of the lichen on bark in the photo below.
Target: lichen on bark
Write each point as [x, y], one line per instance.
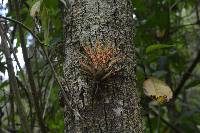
[109, 21]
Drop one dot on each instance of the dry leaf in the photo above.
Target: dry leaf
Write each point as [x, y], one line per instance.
[35, 9]
[157, 90]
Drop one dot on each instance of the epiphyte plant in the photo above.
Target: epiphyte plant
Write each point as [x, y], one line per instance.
[99, 62]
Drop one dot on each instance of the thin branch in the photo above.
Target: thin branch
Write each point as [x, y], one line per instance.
[182, 26]
[24, 26]
[15, 56]
[174, 4]
[186, 75]
[47, 98]
[188, 72]
[27, 92]
[13, 83]
[13, 33]
[158, 122]
[12, 109]
[197, 11]
[59, 83]
[11, 96]
[49, 61]
[149, 123]
[29, 72]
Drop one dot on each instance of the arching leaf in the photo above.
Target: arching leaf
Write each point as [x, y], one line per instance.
[154, 47]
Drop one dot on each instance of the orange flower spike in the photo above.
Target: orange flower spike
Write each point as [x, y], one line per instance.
[88, 49]
[103, 59]
[93, 59]
[99, 55]
[110, 52]
[97, 44]
[97, 47]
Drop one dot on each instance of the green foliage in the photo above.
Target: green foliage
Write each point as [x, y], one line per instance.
[156, 47]
[167, 38]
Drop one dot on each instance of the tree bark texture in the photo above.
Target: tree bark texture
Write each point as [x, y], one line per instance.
[110, 22]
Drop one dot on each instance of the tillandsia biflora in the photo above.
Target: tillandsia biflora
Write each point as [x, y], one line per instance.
[98, 64]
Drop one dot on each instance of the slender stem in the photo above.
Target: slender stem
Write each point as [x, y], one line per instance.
[197, 11]
[149, 123]
[24, 26]
[29, 72]
[15, 56]
[47, 99]
[188, 72]
[158, 122]
[64, 92]
[175, 29]
[13, 83]
[12, 109]
[186, 75]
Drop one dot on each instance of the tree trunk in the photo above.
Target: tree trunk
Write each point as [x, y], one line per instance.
[110, 22]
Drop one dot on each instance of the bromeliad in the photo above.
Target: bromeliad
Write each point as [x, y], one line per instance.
[100, 65]
[98, 62]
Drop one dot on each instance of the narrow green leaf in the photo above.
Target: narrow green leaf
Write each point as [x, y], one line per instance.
[154, 47]
[192, 84]
[45, 23]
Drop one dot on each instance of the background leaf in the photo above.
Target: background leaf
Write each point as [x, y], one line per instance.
[155, 47]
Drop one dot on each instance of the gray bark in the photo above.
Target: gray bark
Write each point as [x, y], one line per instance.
[109, 21]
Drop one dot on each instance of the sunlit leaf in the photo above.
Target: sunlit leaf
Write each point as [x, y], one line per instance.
[157, 90]
[35, 9]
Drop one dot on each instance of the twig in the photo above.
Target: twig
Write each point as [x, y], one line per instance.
[59, 83]
[24, 26]
[30, 75]
[182, 26]
[197, 11]
[149, 123]
[14, 54]
[49, 61]
[186, 75]
[158, 122]
[47, 99]
[13, 83]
